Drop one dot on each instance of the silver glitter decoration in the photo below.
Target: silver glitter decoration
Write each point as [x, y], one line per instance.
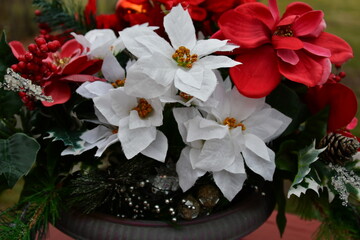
[342, 178]
[15, 82]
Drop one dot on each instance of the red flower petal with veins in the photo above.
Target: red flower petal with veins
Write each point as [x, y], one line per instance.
[245, 31]
[307, 23]
[259, 74]
[307, 71]
[340, 50]
[342, 102]
[58, 90]
[17, 48]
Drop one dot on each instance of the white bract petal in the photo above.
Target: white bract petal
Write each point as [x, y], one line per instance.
[139, 84]
[200, 128]
[158, 148]
[111, 69]
[187, 175]
[215, 62]
[142, 41]
[134, 141]
[260, 165]
[179, 27]
[216, 155]
[229, 183]
[94, 89]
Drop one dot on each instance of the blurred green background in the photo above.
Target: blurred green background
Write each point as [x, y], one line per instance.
[342, 18]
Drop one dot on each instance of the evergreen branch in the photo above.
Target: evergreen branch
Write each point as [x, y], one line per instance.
[61, 15]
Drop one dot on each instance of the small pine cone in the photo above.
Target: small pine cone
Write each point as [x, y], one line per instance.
[340, 148]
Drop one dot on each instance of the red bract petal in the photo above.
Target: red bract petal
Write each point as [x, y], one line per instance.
[245, 31]
[80, 65]
[59, 91]
[274, 10]
[258, 75]
[342, 102]
[340, 50]
[317, 50]
[288, 56]
[217, 6]
[71, 49]
[292, 43]
[307, 23]
[80, 78]
[297, 8]
[258, 11]
[197, 13]
[287, 21]
[108, 21]
[309, 70]
[17, 48]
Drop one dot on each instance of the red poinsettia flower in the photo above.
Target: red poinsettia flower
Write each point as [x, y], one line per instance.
[294, 46]
[341, 100]
[69, 65]
[102, 21]
[73, 66]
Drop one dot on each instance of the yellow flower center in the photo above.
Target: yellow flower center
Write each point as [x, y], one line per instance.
[143, 108]
[60, 62]
[118, 83]
[185, 96]
[231, 122]
[183, 57]
[115, 131]
[284, 31]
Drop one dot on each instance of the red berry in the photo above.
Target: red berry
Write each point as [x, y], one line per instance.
[342, 74]
[54, 45]
[21, 58]
[22, 94]
[337, 78]
[40, 41]
[338, 65]
[22, 65]
[15, 67]
[32, 47]
[28, 56]
[44, 48]
[37, 12]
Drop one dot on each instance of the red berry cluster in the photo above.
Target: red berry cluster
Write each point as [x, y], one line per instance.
[336, 77]
[31, 65]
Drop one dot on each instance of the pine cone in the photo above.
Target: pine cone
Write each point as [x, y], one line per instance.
[340, 148]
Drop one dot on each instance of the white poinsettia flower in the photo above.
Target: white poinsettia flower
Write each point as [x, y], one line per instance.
[100, 137]
[136, 120]
[99, 42]
[234, 133]
[113, 72]
[184, 63]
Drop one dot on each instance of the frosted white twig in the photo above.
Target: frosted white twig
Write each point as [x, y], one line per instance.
[342, 179]
[15, 82]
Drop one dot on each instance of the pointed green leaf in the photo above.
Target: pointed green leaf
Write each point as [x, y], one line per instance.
[306, 157]
[69, 138]
[17, 156]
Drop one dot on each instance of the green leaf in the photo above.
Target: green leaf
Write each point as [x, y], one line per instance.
[10, 103]
[7, 58]
[17, 156]
[281, 205]
[306, 157]
[69, 138]
[293, 107]
[286, 157]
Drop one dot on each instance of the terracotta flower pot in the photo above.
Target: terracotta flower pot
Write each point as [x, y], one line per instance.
[242, 218]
